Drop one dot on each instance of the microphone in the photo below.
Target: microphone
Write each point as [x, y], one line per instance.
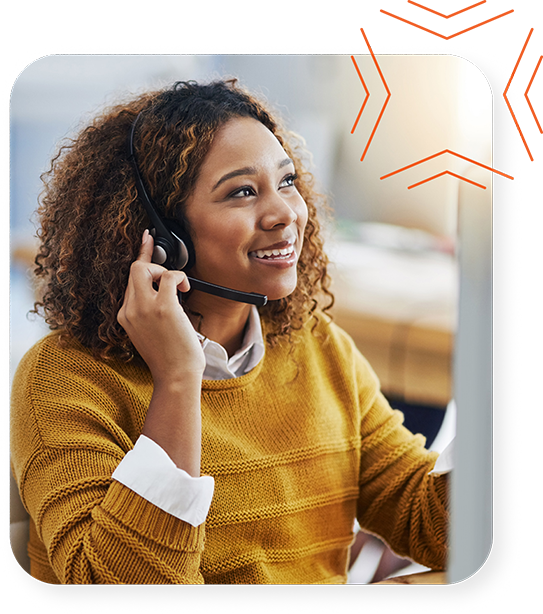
[251, 298]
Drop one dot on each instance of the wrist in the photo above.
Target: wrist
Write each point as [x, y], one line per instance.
[173, 420]
[177, 382]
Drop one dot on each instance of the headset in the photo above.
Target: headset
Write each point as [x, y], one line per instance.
[173, 247]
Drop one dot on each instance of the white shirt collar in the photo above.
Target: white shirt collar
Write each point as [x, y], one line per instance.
[219, 366]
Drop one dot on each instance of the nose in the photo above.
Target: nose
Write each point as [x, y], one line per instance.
[277, 212]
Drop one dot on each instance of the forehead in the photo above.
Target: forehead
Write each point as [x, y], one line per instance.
[242, 142]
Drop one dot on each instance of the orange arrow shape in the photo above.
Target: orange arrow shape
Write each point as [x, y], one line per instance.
[447, 16]
[367, 93]
[528, 100]
[387, 98]
[446, 173]
[489, 168]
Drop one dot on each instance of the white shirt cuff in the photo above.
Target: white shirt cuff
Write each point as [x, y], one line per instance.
[151, 473]
[445, 461]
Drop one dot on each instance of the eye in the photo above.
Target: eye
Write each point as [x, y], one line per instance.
[288, 181]
[242, 192]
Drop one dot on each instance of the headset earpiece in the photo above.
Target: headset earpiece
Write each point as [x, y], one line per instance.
[173, 250]
[160, 252]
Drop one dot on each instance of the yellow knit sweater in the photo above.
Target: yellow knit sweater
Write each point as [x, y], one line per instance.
[298, 447]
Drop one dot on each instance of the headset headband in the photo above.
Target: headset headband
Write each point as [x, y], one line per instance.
[170, 250]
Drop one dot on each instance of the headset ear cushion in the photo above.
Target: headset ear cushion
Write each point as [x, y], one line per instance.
[166, 249]
[160, 255]
[185, 256]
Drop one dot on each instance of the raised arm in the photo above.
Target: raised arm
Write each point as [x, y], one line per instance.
[164, 337]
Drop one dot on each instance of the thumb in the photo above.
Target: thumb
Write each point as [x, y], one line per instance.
[146, 249]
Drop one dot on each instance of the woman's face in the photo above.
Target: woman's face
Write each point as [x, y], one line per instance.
[245, 215]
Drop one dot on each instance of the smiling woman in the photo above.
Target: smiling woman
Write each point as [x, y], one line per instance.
[207, 440]
[247, 227]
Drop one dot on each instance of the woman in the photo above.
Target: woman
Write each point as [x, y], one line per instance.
[212, 441]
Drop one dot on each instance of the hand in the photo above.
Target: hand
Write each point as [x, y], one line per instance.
[155, 321]
[163, 335]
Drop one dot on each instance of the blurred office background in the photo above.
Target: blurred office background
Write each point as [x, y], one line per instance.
[393, 249]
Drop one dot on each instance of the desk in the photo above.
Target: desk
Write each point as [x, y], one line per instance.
[425, 577]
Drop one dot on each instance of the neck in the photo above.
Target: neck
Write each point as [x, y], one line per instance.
[218, 319]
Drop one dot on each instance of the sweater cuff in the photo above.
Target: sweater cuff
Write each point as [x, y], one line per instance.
[150, 472]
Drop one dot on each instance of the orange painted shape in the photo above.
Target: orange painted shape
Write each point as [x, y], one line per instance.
[387, 98]
[522, 25]
[446, 173]
[507, 101]
[489, 168]
[367, 93]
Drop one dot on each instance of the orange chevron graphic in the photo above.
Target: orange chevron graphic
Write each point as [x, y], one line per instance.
[507, 101]
[521, 23]
[445, 151]
[446, 173]
[367, 96]
[367, 93]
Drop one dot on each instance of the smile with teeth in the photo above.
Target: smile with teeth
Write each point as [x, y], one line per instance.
[276, 254]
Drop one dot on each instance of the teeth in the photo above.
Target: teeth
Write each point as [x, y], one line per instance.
[269, 253]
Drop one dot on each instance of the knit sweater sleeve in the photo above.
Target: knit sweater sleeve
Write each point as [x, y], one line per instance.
[73, 419]
[398, 498]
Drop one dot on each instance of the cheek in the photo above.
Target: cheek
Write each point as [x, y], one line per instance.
[203, 240]
[303, 216]
[215, 239]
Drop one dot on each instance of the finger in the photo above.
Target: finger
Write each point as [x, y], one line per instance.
[172, 281]
[142, 271]
[146, 277]
[147, 246]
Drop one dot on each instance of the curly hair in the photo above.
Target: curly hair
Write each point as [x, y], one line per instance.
[91, 223]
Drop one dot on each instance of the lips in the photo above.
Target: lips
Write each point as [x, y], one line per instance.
[283, 250]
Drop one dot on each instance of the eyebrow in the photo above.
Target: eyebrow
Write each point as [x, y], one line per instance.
[247, 170]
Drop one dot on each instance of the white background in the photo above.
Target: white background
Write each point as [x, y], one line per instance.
[30, 25]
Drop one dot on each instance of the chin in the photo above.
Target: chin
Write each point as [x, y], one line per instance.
[277, 294]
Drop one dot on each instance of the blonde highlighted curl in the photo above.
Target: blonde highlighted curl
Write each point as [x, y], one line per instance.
[91, 221]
